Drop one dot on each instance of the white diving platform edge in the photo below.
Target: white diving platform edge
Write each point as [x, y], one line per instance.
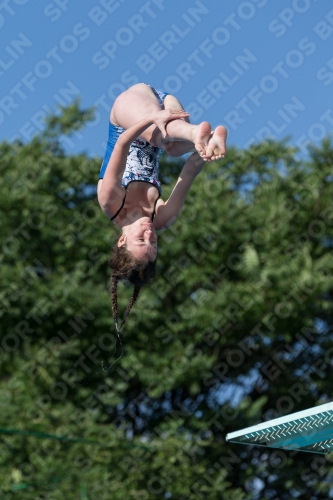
[308, 430]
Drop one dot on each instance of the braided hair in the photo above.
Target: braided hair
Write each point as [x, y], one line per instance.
[126, 267]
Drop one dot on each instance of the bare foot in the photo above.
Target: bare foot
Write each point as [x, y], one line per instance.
[201, 136]
[216, 145]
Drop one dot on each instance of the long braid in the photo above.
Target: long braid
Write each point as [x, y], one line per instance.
[114, 299]
[131, 304]
[125, 267]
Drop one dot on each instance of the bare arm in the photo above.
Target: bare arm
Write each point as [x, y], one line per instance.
[168, 213]
[111, 190]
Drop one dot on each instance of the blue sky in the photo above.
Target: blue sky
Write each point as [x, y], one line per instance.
[263, 68]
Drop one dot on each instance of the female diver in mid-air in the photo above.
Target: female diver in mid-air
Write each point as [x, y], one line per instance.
[144, 123]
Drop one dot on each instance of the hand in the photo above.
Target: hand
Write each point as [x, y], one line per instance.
[165, 116]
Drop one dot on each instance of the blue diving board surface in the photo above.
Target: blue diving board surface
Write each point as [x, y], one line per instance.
[309, 430]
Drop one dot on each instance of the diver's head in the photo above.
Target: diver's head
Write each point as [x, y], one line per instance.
[140, 239]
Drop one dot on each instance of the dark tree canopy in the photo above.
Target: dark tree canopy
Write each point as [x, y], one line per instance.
[235, 329]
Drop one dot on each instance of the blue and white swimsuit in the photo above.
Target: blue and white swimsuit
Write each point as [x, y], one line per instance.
[143, 159]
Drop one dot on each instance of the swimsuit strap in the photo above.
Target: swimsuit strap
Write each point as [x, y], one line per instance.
[120, 207]
[152, 218]
[153, 215]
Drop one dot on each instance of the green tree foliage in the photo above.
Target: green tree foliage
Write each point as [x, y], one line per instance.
[236, 329]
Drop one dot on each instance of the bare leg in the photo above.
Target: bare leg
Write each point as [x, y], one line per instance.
[133, 105]
[210, 145]
[176, 147]
[138, 101]
[198, 135]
